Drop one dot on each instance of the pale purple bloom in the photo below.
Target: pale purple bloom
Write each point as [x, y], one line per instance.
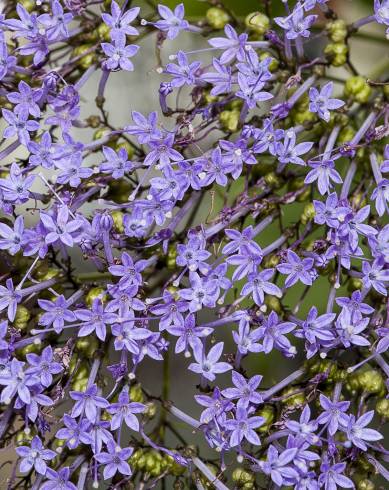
[381, 10]
[172, 22]
[26, 100]
[58, 480]
[72, 170]
[381, 197]
[188, 334]
[61, 228]
[355, 305]
[333, 476]
[233, 45]
[221, 79]
[9, 298]
[321, 102]
[16, 382]
[117, 163]
[208, 365]
[145, 129]
[34, 456]
[19, 125]
[305, 428]
[242, 427]
[119, 22]
[258, 284]
[251, 94]
[349, 328]
[277, 465]
[333, 414]
[16, 187]
[115, 460]
[295, 24]
[123, 411]
[246, 340]
[43, 366]
[297, 269]
[244, 390]
[203, 292]
[183, 73]
[324, 172]
[95, 320]
[118, 54]
[74, 431]
[289, 152]
[215, 405]
[273, 335]
[357, 432]
[88, 402]
[375, 276]
[57, 313]
[129, 272]
[11, 238]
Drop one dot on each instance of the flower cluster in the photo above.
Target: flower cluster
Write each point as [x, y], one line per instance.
[109, 265]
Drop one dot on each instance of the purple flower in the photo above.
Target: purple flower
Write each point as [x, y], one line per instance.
[34, 456]
[170, 311]
[375, 276]
[381, 10]
[129, 272]
[244, 390]
[203, 292]
[321, 103]
[128, 336]
[295, 24]
[9, 298]
[7, 62]
[381, 197]
[15, 187]
[332, 212]
[276, 465]
[221, 79]
[16, 383]
[251, 93]
[208, 365]
[192, 255]
[349, 329]
[56, 24]
[19, 125]
[355, 305]
[305, 428]
[115, 460]
[11, 239]
[246, 340]
[357, 433]
[72, 171]
[297, 269]
[259, 284]
[239, 239]
[267, 139]
[43, 366]
[96, 319]
[123, 411]
[273, 335]
[242, 427]
[323, 171]
[87, 402]
[74, 431]
[162, 151]
[118, 54]
[215, 169]
[117, 164]
[58, 480]
[289, 152]
[215, 405]
[119, 22]
[145, 129]
[42, 153]
[57, 313]
[172, 22]
[183, 73]
[60, 229]
[316, 327]
[233, 45]
[333, 414]
[26, 100]
[188, 334]
[331, 476]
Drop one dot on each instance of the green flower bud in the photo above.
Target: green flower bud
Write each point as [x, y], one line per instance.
[357, 88]
[87, 346]
[93, 121]
[382, 408]
[337, 30]
[305, 195]
[273, 304]
[127, 146]
[33, 348]
[119, 191]
[117, 217]
[273, 180]
[336, 53]
[371, 381]
[29, 5]
[229, 120]
[104, 32]
[386, 91]
[151, 410]
[95, 293]
[258, 23]
[303, 117]
[173, 467]
[308, 213]
[217, 18]
[365, 484]
[266, 412]
[294, 400]
[296, 184]
[171, 257]
[346, 134]
[352, 384]
[85, 61]
[274, 64]
[22, 317]
[271, 261]
[241, 476]
[354, 283]
[23, 439]
[136, 393]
